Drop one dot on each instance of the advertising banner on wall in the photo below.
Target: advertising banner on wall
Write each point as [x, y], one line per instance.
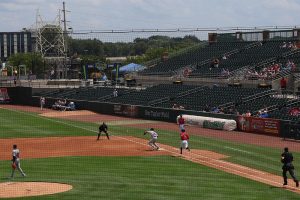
[259, 125]
[125, 110]
[4, 95]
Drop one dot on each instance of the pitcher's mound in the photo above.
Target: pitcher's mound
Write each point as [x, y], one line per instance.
[27, 189]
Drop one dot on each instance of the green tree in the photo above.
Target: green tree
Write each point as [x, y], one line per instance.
[33, 62]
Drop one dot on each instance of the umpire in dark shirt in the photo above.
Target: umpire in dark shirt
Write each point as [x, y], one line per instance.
[103, 127]
[287, 159]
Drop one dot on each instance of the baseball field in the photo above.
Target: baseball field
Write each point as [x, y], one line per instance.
[63, 160]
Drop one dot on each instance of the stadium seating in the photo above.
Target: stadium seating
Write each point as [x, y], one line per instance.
[213, 97]
[245, 57]
[86, 93]
[152, 94]
[195, 56]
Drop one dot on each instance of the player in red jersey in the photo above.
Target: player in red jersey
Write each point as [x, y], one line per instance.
[184, 141]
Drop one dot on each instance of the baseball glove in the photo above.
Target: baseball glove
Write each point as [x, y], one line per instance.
[13, 165]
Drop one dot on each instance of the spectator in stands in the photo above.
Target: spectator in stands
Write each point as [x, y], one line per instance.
[60, 105]
[290, 65]
[207, 108]
[16, 73]
[283, 45]
[225, 72]
[71, 106]
[216, 62]
[283, 84]
[181, 122]
[15, 81]
[248, 113]
[264, 114]
[52, 74]
[42, 102]
[215, 110]
[230, 111]
[181, 107]
[175, 106]
[115, 92]
[224, 57]
[294, 47]
[221, 110]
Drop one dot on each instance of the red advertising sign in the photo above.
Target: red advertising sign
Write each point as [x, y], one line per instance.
[259, 125]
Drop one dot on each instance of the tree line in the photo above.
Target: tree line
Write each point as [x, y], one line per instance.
[91, 51]
[140, 50]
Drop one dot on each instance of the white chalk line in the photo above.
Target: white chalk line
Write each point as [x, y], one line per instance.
[208, 163]
[239, 150]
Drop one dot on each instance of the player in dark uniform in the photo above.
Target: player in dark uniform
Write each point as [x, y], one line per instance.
[287, 159]
[103, 127]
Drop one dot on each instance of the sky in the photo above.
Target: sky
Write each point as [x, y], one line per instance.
[151, 14]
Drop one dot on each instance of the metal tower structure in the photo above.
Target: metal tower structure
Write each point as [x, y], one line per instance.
[51, 44]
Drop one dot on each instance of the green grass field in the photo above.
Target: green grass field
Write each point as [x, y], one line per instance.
[158, 177]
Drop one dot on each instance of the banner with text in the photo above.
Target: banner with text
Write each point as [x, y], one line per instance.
[259, 125]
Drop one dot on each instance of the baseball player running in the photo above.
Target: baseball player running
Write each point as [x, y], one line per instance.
[153, 139]
[184, 141]
[16, 161]
[103, 127]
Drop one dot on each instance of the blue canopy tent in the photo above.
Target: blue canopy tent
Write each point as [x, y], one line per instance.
[132, 67]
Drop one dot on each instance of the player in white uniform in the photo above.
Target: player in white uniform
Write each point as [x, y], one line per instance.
[16, 161]
[153, 139]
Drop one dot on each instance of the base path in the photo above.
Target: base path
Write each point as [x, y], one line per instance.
[28, 189]
[77, 146]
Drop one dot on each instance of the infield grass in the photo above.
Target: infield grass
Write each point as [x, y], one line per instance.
[159, 177]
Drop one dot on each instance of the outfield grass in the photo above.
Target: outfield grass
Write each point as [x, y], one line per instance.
[162, 177]
[23, 125]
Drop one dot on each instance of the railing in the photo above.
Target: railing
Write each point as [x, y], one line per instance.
[154, 62]
[295, 102]
[275, 107]
[226, 105]
[158, 101]
[289, 53]
[258, 95]
[282, 73]
[191, 91]
[182, 94]
[43, 83]
[104, 98]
